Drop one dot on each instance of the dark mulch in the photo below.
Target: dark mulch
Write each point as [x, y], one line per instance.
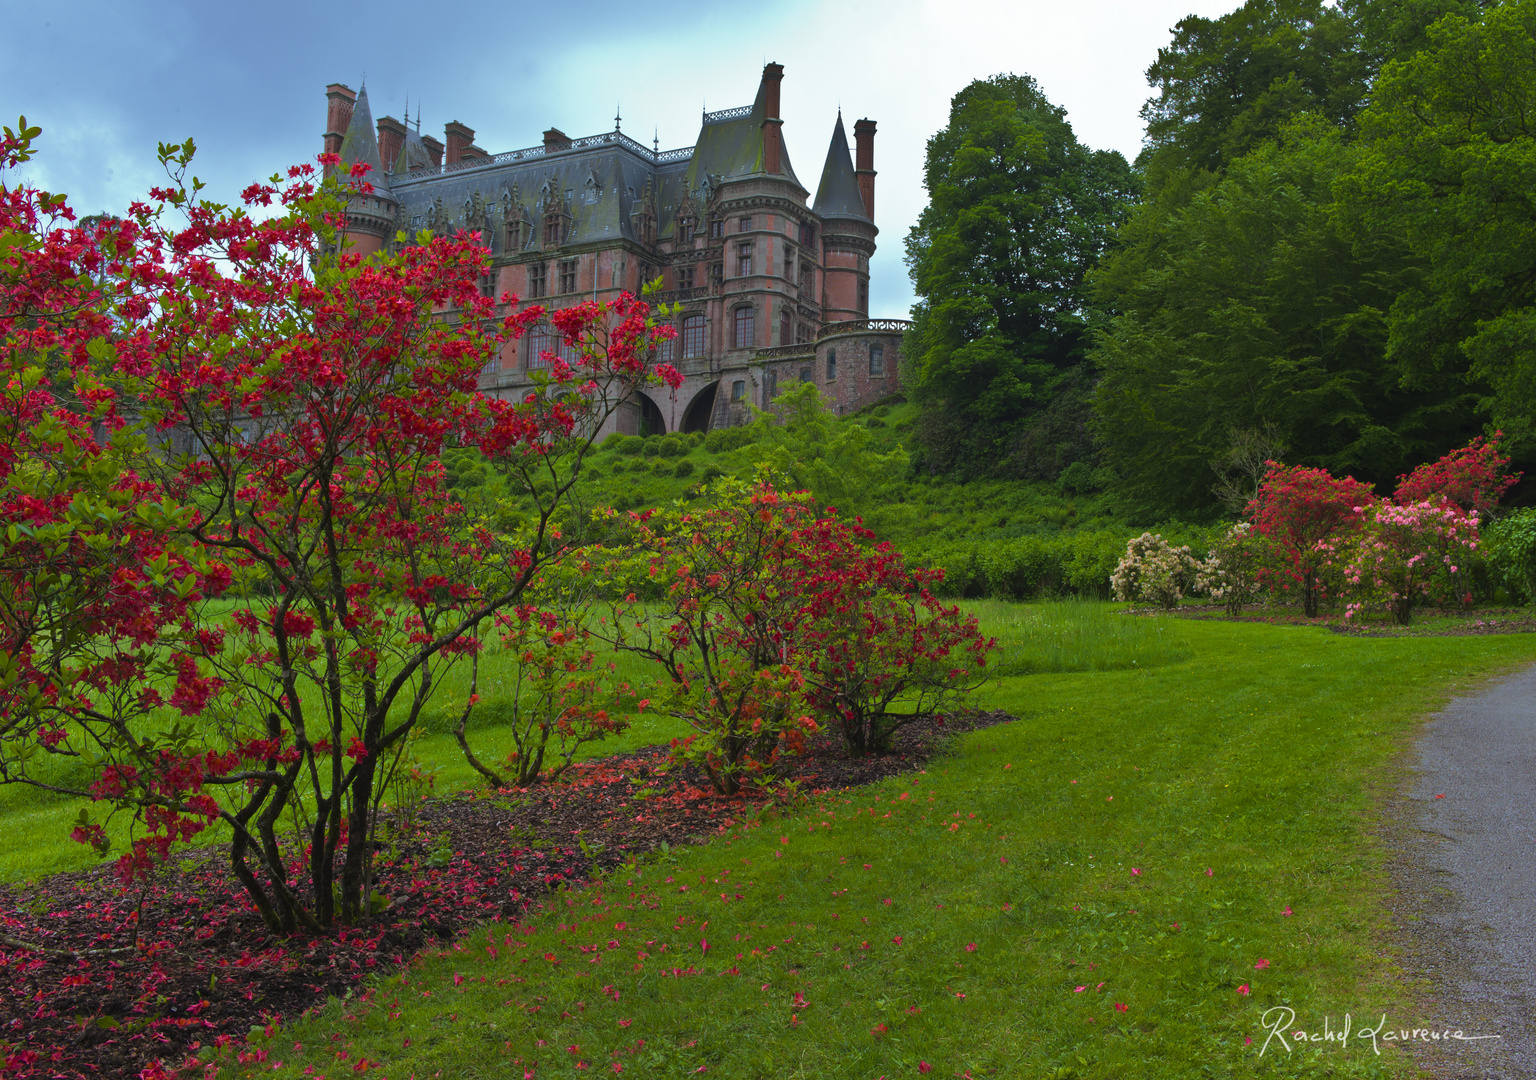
[204, 971]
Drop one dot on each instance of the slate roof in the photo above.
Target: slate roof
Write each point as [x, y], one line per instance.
[838, 195]
[361, 143]
[601, 180]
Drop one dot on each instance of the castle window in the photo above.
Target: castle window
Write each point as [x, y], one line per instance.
[877, 361]
[832, 365]
[864, 296]
[807, 234]
[685, 231]
[552, 231]
[716, 274]
[716, 228]
[537, 280]
[805, 374]
[545, 341]
[647, 274]
[738, 390]
[745, 225]
[770, 387]
[744, 260]
[744, 328]
[693, 335]
[488, 285]
[568, 276]
[684, 277]
[786, 326]
[802, 334]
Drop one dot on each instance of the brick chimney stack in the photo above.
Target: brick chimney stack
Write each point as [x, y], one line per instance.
[773, 126]
[459, 138]
[434, 148]
[339, 101]
[864, 163]
[391, 141]
[555, 139]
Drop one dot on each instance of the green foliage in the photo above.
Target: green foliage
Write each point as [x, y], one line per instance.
[804, 443]
[1226, 86]
[1018, 212]
[683, 469]
[1450, 155]
[723, 440]
[1509, 546]
[650, 446]
[672, 446]
[621, 444]
[1259, 313]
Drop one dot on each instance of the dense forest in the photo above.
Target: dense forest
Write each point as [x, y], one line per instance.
[1325, 254]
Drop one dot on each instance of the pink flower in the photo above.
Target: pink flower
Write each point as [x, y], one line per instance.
[971, 947]
[1209, 872]
[1243, 990]
[1287, 910]
[1121, 1008]
[1261, 965]
[924, 1067]
[1135, 871]
[1080, 989]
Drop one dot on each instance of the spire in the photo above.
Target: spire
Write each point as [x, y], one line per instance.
[838, 194]
[361, 143]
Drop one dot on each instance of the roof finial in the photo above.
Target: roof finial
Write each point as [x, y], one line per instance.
[407, 108]
[615, 116]
[418, 116]
[656, 140]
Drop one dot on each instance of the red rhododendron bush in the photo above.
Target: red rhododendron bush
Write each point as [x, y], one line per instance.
[1327, 538]
[778, 618]
[232, 574]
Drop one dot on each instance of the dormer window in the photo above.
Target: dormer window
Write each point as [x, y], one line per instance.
[554, 233]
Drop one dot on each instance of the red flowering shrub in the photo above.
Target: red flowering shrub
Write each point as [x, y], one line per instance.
[1306, 514]
[1474, 478]
[722, 638]
[236, 405]
[877, 649]
[774, 614]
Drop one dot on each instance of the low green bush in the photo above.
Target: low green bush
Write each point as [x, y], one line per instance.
[1509, 554]
[650, 446]
[672, 446]
[723, 440]
[684, 469]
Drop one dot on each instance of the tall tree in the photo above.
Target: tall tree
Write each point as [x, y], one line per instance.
[1450, 162]
[1262, 314]
[1018, 212]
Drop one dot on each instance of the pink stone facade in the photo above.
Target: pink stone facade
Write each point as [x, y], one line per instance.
[771, 285]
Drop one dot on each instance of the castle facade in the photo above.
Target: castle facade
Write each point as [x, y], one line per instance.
[772, 287]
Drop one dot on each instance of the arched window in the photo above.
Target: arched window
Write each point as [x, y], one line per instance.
[877, 361]
[745, 337]
[693, 335]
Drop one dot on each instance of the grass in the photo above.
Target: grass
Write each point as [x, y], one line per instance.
[1076, 635]
[985, 916]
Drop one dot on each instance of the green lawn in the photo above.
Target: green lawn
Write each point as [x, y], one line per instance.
[1238, 781]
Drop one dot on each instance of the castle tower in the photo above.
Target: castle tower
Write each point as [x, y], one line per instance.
[370, 218]
[848, 232]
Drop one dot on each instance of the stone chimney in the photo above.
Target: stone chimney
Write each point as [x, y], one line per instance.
[391, 141]
[458, 137]
[864, 163]
[773, 133]
[339, 101]
[555, 139]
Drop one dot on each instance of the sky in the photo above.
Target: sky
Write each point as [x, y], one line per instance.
[108, 81]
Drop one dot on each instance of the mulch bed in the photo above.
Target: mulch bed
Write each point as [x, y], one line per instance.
[203, 970]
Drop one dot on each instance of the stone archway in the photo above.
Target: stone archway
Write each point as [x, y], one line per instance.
[652, 422]
[696, 415]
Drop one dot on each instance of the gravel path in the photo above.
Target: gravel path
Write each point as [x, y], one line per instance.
[1465, 867]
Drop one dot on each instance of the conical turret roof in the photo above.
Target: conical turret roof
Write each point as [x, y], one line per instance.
[838, 194]
[361, 142]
